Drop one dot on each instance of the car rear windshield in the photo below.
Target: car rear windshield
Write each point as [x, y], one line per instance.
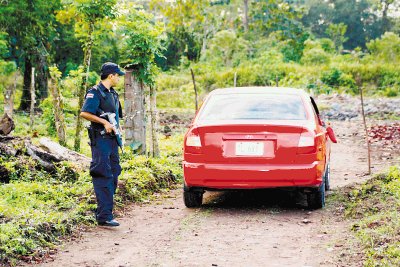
[253, 107]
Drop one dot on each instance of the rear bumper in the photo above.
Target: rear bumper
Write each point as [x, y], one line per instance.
[237, 176]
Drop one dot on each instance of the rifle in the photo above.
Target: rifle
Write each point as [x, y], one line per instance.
[110, 117]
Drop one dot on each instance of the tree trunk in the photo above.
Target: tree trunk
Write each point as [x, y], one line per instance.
[26, 89]
[6, 125]
[155, 151]
[83, 87]
[58, 107]
[246, 15]
[42, 77]
[135, 126]
[33, 100]
[385, 20]
[9, 96]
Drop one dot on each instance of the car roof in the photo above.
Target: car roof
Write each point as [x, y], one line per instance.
[260, 90]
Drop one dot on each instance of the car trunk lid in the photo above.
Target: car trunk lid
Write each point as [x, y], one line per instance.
[273, 143]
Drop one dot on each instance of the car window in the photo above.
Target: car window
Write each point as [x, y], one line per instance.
[253, 107]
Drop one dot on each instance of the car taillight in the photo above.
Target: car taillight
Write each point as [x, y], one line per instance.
[306, 143]
[193, 142]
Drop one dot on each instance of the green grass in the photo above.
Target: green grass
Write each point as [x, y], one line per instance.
[376, 206]
[38, 208]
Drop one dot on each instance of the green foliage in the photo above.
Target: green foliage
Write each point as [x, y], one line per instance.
[361, 20]
[140, 44]
[48, 116]
[386, 48]
[187, 24]
[327, 44]
[141, 176]
[3, 44]
[375, 204]
[336, 78]
[293, 48]
[226, 49]
[314, 54]
[337, 34]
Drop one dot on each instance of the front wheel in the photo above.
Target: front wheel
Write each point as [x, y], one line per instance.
[192, 199]
[316, 199]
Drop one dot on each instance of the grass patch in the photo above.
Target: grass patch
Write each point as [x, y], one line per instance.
[38, 208]
[376, 206]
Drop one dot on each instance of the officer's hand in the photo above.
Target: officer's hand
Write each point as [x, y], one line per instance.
[109, 128]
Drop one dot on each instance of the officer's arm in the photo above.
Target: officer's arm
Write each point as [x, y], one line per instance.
[91, 117]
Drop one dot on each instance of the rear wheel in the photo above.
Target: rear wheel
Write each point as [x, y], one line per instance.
[316, 199]
[327, 177]
[192, 199]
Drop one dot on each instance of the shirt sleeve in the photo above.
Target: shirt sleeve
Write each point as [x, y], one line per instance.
[92, 102]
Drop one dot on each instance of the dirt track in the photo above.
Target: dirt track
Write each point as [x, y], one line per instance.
[254, 228]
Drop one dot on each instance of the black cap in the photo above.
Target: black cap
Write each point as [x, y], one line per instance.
[111, 68]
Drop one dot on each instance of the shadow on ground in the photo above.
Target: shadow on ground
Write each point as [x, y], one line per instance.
[257, 199]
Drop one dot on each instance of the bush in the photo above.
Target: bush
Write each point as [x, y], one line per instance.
[48, 116]
[315, 56]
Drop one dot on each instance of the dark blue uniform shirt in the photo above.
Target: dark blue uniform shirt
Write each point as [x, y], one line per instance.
[99, 99]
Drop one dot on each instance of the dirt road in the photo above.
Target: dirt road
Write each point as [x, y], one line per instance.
[255, 228]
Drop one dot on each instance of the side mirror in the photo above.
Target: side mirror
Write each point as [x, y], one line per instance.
[331, 134]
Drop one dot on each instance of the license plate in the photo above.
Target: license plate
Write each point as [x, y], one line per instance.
[249, 149]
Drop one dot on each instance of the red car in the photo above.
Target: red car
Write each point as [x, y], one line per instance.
[257, 137]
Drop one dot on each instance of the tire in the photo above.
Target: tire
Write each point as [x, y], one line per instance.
[192, 199]
[327, 177]
[316, 199]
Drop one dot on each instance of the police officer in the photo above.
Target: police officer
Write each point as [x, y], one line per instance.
[104, 167]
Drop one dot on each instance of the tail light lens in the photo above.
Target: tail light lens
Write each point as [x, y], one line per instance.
[306, 143]
[193, 142]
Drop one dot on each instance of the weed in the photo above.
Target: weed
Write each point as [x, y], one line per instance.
[376, 204]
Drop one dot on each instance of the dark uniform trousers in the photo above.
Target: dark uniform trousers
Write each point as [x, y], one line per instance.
[105, 170]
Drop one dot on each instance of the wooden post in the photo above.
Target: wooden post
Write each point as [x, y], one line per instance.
[234, 79]
[276, 81]
[154, 149]
[359, 84]
[195, 89]
[135, 126]
[9, 97]
[33, 99]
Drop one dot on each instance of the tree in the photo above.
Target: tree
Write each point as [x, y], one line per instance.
[31, 30]
[58, 105]
[362, 22]
[227, 49]
[279, 18]
[314, 54]
[187, 25]
[7, 78]
[386, 48]
[140, 42]
[336, 33]
[384, 7]
[87, 14]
